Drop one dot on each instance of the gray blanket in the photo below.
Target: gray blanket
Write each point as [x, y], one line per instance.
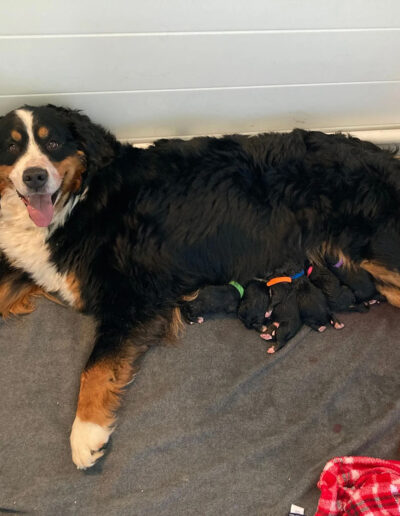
[214, 426]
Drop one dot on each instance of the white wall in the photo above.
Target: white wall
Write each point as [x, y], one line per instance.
[154, 68]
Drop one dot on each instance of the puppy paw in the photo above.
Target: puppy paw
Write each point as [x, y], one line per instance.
[337, 324]
[321, 329]
[86, 440]
[270, 333]
[360, 307]
[198, 320]
[266, 336]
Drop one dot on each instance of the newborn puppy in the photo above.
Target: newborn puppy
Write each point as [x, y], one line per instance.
[313, 305]
[254, 308]
[359, 280]
[212, 299]
[285, 315]
[339, 297]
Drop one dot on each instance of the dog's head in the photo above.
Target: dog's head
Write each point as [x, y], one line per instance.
[45, 154]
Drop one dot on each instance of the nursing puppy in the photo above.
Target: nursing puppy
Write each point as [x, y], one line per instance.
[285, 319]
[339, 297]
[358, 280]
[314, 308]
[211, 300]
[295, 300]
[123, 233]
[250, 304]
[256, 305]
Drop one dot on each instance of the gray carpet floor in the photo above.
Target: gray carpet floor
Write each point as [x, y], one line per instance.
[214, 426]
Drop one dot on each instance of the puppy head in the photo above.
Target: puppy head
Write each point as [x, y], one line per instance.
[254, 305]
[44, 154]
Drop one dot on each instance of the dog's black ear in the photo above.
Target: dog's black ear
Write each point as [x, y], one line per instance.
[97, 143]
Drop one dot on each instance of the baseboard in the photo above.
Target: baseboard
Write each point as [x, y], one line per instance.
[380, 137]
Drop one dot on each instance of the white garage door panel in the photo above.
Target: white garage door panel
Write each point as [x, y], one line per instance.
[149, 115]
[196, 61]
[95, 16]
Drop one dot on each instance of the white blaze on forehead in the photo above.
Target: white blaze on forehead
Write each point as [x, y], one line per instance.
[27, 119]
[33, 157]
[33, 154]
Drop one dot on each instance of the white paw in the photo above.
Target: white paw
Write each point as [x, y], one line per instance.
[86, 440]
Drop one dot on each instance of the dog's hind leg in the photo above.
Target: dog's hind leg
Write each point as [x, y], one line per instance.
[390, 293]
[387, 281]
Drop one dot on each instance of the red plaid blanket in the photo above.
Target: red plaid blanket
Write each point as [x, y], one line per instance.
[354, 486]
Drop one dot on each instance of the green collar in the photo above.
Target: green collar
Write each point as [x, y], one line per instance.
[238, 287]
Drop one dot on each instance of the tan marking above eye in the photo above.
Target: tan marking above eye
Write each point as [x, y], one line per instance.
[16, 136]
[43, 132]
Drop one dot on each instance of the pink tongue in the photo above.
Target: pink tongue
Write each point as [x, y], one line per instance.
[40, 209]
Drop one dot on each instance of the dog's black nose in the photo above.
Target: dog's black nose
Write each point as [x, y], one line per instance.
[35, 177]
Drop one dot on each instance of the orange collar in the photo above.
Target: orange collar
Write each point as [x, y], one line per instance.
[279, 279]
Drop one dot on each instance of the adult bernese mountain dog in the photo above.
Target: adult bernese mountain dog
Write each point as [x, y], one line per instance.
[124, 233]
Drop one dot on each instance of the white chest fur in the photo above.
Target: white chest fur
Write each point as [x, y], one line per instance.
[25, 246]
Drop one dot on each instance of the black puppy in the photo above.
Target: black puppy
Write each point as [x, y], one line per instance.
[294, 296]
[359, 280]
[255, 307]
[251, 303]
[339, 297]
[212, 299]
[313, 305]
[284, 311]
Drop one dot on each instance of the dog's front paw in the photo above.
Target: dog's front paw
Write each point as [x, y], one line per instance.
[86, 440]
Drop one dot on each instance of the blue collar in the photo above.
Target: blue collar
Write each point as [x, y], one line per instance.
[298, 275]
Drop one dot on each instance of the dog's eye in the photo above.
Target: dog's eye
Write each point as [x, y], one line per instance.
[13, 148]
[52, 145]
